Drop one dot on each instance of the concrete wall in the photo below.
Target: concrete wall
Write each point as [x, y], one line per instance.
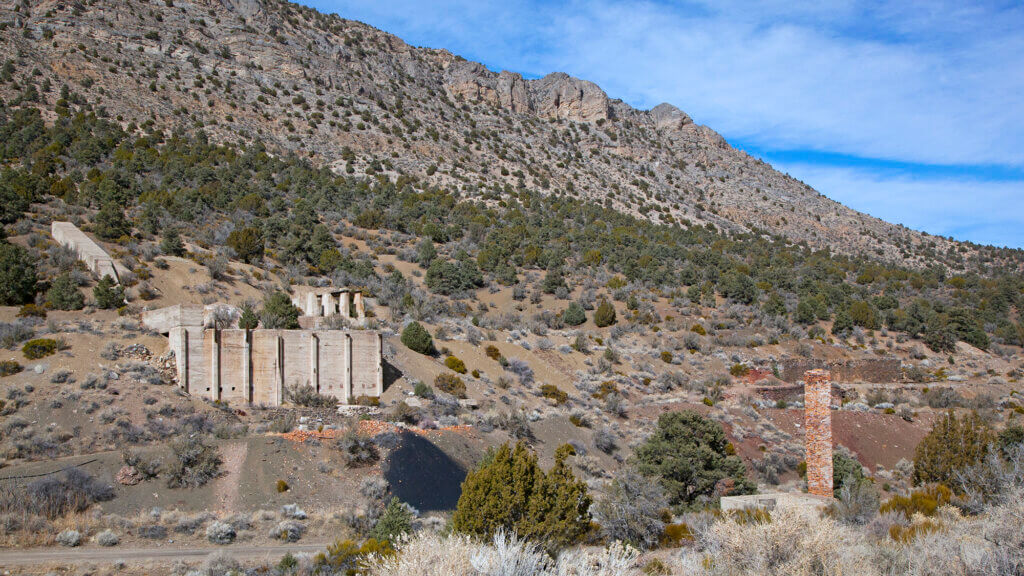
[877, 370]
[258, 366]
[95, 257]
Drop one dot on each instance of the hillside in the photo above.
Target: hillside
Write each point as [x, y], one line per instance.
[363, 102]
[582, 270]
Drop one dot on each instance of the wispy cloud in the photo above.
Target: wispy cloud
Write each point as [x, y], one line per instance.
[929, 83]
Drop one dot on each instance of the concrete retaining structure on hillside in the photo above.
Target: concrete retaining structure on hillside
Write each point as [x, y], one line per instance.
[95, 257]
[260, 366]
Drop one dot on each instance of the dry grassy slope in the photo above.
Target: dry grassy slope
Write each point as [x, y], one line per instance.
[318, 85]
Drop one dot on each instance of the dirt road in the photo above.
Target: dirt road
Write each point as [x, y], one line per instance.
[148, 556]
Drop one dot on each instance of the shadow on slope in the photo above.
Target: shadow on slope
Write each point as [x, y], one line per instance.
[422, 475]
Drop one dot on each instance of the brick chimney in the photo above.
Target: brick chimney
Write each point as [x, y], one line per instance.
[818, 430]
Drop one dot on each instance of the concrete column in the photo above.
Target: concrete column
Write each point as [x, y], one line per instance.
[818, 430]
[330, 304]
[247, 390]
[346, 381]
[214, 336]
[358, 303]
[312, 306]
[344, 303]
[279, 373]
[183, 370]
[314, 361]
[380, 365]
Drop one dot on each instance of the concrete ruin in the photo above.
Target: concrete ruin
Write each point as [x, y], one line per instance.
[95, 257]
[818, 445]
[818, 431]
[260, 366]
[318, 303]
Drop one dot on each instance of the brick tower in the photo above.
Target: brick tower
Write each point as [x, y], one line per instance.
[818, 429]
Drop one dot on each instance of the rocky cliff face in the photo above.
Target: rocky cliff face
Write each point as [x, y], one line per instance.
[322, 86]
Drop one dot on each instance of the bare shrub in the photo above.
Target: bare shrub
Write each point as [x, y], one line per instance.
[195, 463]
[631, 509]
[307, 396]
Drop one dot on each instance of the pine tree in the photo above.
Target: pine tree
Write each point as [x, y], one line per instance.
[108, 294]
[417, 339]
[248, 320]
[952, 445]
[172, 244]
[395, 521]
[574, 314]
[604, 315]
[17, 274]
[64, 295]
[509, 490]
[279, 312]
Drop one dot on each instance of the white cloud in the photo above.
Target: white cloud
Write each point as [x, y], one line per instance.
[967, 209]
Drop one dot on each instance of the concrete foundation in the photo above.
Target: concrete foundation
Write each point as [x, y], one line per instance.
[260, 366]
[95, 257]
[808, 505]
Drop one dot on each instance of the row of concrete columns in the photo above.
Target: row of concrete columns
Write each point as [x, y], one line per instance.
[333, 303]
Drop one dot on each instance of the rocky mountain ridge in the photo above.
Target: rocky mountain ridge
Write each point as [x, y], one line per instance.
[364, 102]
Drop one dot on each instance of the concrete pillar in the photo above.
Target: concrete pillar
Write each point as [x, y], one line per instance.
[818, 430]
[183, 366]
[247, 389]
[346, 381]
[358, 303]
[314, 362]
[330, 304]
[312, 306]
[380, 365]
[214, 337]
[279, 373]
[344, 303]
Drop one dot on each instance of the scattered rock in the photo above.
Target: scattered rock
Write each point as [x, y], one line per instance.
[129, 476]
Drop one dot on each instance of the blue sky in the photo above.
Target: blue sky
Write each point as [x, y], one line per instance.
[909, 111]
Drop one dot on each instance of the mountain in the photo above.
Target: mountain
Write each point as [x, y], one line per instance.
[362, 101]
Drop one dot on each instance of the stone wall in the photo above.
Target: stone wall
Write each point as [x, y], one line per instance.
[259, 366]
[876, 370]
[818, 430]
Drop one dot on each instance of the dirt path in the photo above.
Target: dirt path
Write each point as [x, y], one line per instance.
[154, 556]
[227, 486]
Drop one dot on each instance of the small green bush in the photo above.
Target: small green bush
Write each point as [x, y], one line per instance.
[555, 393]
[416, 338]
[492, 352]
[666, 356]
[39, 348]
[9, 367]
[574, 314]
[455, 364]
[423, 390]
[698, 329]
[450, 384]
[282, 486]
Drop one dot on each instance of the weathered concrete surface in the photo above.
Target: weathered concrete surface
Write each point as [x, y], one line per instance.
[260, 366]
[809, 505]
[163, 320]
[95, 257]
